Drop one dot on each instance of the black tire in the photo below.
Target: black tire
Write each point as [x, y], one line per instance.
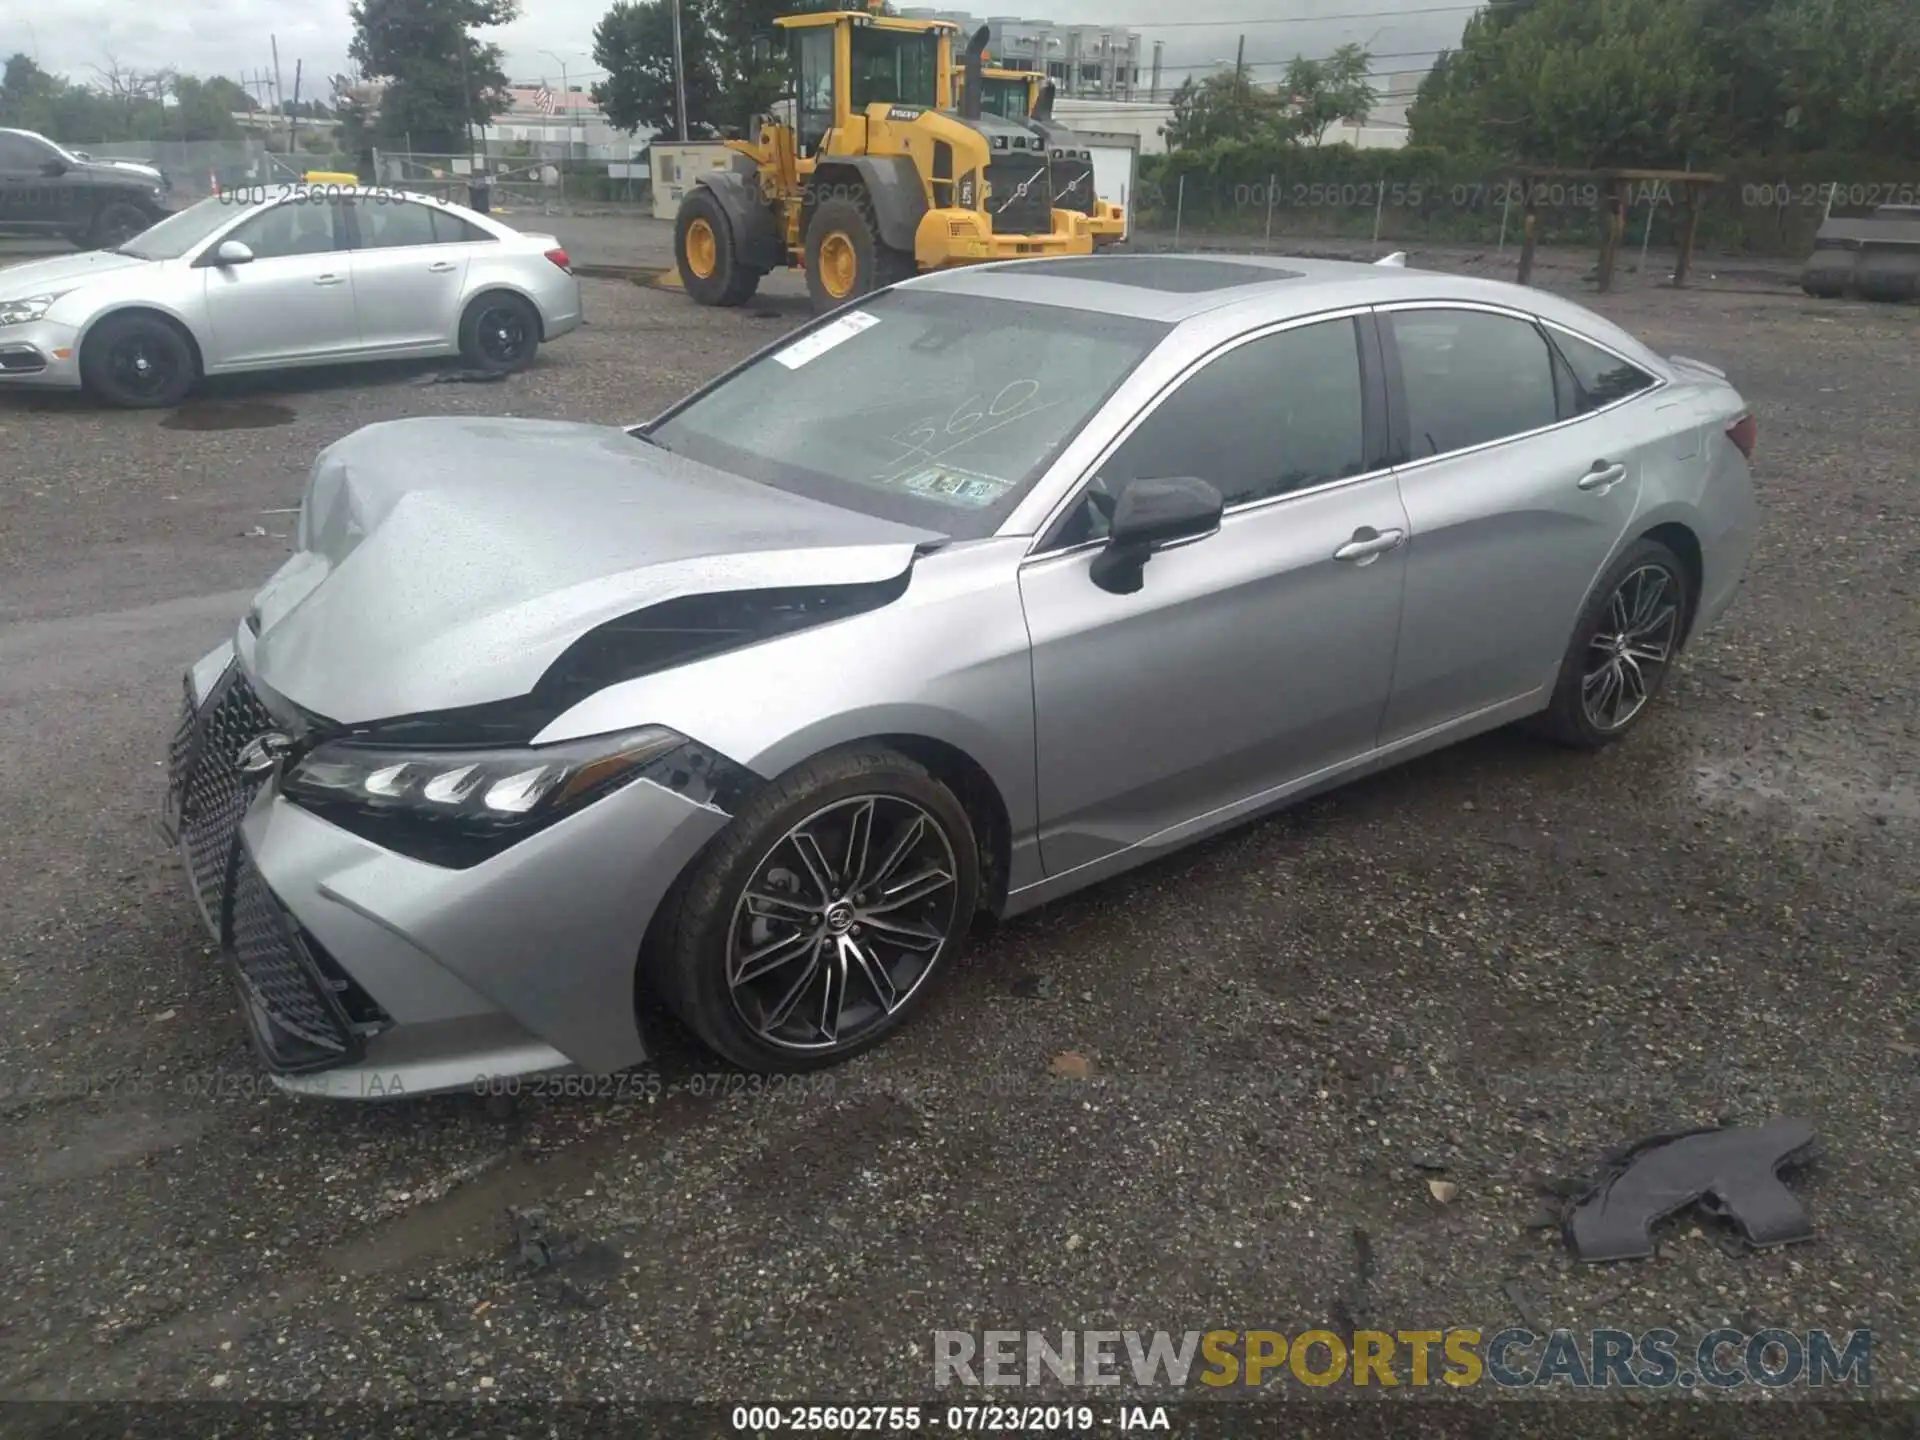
[708, 909]
[500, 332]
[726, 281]
[116, 223]
[139, 362]
[874, 265]
[1579, 713]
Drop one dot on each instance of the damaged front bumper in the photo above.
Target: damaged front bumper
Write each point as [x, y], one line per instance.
[366, 974]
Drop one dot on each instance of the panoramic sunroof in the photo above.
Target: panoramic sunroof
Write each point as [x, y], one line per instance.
[1177, 274]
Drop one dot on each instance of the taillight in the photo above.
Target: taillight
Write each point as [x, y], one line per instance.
[559, 257]
[1743, 432]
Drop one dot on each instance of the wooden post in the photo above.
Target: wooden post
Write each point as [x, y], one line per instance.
[1529, 231]
[1609, 233]
[1696, 191]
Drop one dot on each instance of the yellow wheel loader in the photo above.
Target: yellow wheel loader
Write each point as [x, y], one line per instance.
[1026, 97]
[874, 176]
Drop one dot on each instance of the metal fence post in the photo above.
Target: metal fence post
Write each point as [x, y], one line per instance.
[1179, 208]
[1506, 207]
[1270, 186]
[1646, 238]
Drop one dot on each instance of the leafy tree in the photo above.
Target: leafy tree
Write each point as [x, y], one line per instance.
[1324, 93]
[1578, 82]
[1227, 106]
[727, 83]
[633, 43]
[416, 47]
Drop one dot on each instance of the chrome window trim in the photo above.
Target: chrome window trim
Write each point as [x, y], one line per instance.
[1660, 382]
[1276, 327]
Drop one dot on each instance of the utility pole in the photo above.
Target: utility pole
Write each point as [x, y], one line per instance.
[1153, 85]
[679, 73]
[279, 95]
[1240, 63]
[291, 123]
[466, 96]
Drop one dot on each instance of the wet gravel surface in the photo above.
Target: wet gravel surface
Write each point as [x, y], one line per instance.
[1337, 1064]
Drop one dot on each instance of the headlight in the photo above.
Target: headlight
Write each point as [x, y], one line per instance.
[22, 312]
[457, 807]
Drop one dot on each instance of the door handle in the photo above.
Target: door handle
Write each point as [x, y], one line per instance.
[1368, 545]
[441, 267]
[326, 279]
[1603, 477]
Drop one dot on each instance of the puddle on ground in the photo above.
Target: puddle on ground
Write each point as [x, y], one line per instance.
[1789, 790]
[228, 415]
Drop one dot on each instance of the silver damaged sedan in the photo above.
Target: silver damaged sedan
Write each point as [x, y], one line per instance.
[265, 279]
[992, 586]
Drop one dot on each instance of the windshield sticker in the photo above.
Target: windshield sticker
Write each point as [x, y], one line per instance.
[837, 332]
[957, 487]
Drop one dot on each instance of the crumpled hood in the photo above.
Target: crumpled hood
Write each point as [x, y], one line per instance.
[449, 561]
[62, 272]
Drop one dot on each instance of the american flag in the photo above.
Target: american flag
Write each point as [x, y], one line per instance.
[543, 99]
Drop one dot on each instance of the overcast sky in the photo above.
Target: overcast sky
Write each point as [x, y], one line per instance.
[232, 37]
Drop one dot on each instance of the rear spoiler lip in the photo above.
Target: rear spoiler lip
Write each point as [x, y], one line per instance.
[1687, 362]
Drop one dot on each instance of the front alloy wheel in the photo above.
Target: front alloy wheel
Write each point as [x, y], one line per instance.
[813, 925]
[841, 922]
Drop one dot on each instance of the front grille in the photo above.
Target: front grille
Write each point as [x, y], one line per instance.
[212, 794]
[1012, 210]
[280, 982]
[1073, 184]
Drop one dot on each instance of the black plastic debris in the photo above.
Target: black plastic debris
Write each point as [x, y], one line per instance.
[462, 377]
[1732, 1173]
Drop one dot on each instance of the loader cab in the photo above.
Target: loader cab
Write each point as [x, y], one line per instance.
[1007, 94]
[845, 61]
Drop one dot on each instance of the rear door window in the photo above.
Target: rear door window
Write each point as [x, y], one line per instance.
[1472, 377]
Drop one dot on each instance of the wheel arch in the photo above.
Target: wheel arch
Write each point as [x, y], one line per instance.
[756, 238]
[892, 185]
[153, 312]
[1680, 537]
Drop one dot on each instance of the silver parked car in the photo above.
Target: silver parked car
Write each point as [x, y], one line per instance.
[996, 584]
[293, 275]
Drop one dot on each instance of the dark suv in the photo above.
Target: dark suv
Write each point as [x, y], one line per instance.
[45, 190]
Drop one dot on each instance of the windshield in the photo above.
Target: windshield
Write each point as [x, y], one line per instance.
[936, 410]
[1005, 98]
[182, 230]
[894, 67]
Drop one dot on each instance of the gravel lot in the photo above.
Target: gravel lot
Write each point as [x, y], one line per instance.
[1489, 967]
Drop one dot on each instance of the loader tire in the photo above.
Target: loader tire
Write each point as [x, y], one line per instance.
[846, 257]
[703, 249]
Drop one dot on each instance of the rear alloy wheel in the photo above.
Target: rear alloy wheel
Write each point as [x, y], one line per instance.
[815, 924]
[137, 361]
[710, 269]
[500, 333]
[116, 224]
[1623, 646]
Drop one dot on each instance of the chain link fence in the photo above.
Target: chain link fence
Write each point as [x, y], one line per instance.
[1745, 213]
[549, 178]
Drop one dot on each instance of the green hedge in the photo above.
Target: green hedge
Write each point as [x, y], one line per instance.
[1761, 207]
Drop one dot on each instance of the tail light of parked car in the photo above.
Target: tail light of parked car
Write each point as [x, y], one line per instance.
[1743, 432]
[559, 257]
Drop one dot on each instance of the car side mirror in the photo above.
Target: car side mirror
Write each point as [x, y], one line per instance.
[1151, 515]
[233, 252]
[53, 167]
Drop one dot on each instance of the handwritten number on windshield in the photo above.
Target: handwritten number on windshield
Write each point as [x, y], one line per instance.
[970, 420]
